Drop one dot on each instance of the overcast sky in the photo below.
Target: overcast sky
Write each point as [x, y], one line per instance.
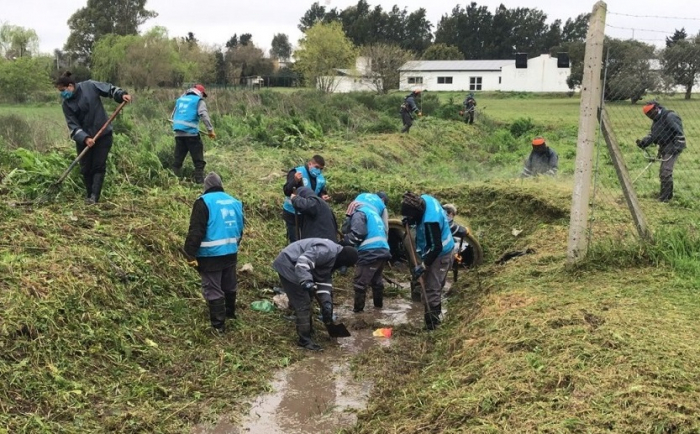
[215, 21]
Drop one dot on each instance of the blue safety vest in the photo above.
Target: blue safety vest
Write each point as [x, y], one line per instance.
[434, 214]
[185, 116]
[306, 180]
[224, 227]
[376, 234]
[372, 200]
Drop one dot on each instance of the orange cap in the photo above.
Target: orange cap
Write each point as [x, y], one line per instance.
[538, 141]
[648, 108]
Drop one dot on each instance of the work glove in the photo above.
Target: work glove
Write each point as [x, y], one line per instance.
[639, 143]
[420, 114]
[212, 134]
[193, 263]
[418, 271]
[309, 287]
[327, 312]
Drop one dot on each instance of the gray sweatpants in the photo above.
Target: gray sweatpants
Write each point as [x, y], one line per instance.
[433, 278]
[216, 283]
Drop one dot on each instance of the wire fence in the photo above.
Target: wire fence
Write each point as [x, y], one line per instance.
[651, 96]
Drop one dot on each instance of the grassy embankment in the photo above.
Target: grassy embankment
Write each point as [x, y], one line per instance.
[103, 327]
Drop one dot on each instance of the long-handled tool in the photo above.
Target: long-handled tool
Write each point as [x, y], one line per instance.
[53, 188]
[651, 159]
[412, 251]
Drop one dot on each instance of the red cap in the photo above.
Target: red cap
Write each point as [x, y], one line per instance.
[647, 108]
[538, 141]
[200, 88]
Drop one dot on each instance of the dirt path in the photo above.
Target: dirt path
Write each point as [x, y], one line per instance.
[319, 394]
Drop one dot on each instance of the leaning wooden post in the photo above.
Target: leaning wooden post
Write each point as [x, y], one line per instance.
[587, 129]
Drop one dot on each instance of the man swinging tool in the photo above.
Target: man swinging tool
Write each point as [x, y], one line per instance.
[408, 108]
[188, 111]
[667, 132]
[469, 105]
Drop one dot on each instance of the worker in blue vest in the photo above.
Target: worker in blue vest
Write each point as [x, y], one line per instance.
[311, 176]
[434, 245]
[190, 108]
[368, 234]
[376, 200]
[211, 246]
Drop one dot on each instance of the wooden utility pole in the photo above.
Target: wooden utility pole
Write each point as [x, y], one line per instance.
[623, 176]
[587, 128]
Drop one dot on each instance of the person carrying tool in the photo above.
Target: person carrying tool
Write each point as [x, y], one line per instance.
[211, 247]
[309, 175]
[367, 232]
[85, 115]
[667, 132]
[305, 268]
[188, 111]
[469, 108]
[408, 108]
[317, 218]
[434, 244]
[543, 160]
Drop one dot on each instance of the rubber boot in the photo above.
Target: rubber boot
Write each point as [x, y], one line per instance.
[87, 179]
[217, 314]
[304, 332]
[97, 180]
[432, 318]
[199, 176]
[416, 294]
[177, 171]
[666, 193]
[230, 298]
[378, 296]
[359, 301]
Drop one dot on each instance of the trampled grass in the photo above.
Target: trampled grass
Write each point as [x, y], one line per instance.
[104, 329]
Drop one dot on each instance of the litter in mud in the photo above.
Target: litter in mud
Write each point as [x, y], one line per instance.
[382, 333]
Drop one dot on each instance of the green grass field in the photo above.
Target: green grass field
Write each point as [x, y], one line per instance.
[104, 329]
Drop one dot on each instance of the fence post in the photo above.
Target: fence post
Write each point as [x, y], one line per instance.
[587, 128]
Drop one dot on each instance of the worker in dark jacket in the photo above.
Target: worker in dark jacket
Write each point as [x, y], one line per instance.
[309, 175]
[216, 230]
[305, 268]
[85, 115]
[469, 105]
[434, 244]
[190, 108]
[541, 161]
[667, 132]
[367, 232]
[408, 109]
[318, 220]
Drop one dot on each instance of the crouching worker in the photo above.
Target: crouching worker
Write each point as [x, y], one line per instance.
[367, 232]
[305, 268]
[216, 229]
[543, 160]
[434, 244]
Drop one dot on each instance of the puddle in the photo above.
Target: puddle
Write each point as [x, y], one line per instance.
[319, 394]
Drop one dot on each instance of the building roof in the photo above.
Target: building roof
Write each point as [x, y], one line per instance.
[455, 65]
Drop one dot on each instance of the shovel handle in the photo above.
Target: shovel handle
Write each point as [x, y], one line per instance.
[412, 249]
[87, 148]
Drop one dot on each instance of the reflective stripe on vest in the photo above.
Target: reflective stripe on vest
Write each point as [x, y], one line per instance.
[185, 116]
[306, 180]
[376, 235]
[224, 227]
[372, 200]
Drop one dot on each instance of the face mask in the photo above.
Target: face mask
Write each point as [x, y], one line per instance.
[66, 94]
[315, 172]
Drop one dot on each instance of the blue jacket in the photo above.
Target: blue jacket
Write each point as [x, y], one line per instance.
[225, 225]
[186, 116]
[306, 180]
[434, 214]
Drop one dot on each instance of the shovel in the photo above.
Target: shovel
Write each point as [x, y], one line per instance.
[412, 251]
[337, 330]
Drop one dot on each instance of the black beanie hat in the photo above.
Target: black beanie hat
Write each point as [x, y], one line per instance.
[346, 257]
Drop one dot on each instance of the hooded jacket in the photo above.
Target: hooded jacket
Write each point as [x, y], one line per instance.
[84, 112]
[541, 163]
[319, 220]
[667, 132]
[309, 260]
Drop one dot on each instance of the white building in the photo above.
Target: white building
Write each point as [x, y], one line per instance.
[541, 75]
[359, 79]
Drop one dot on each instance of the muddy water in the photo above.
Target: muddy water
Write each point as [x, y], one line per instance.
[319, 394]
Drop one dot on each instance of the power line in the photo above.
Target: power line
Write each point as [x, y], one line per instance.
[654, 16]
[641, 30]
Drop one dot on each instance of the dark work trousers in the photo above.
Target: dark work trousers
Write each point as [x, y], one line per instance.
[407, 121]
[300, 299]
[434, 277]
[368, 275]
[469, 116]
[216, 283]
[666, 176]
[193, 145]
[293, 225]
[95, 160]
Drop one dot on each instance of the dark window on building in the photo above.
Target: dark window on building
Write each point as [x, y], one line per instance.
[444, 80]
[475, 83]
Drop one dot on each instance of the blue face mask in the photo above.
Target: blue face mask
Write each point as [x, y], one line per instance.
[315, 172]
[66, 94]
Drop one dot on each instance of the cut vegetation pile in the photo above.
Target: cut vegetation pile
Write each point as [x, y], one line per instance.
[104, 329]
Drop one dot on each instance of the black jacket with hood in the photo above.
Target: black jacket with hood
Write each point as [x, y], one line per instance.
[84, 112]
[319, 220]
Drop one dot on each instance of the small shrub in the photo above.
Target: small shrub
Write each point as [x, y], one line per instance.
[521, 126]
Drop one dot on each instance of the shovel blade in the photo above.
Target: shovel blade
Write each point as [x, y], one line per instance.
[337, 330]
